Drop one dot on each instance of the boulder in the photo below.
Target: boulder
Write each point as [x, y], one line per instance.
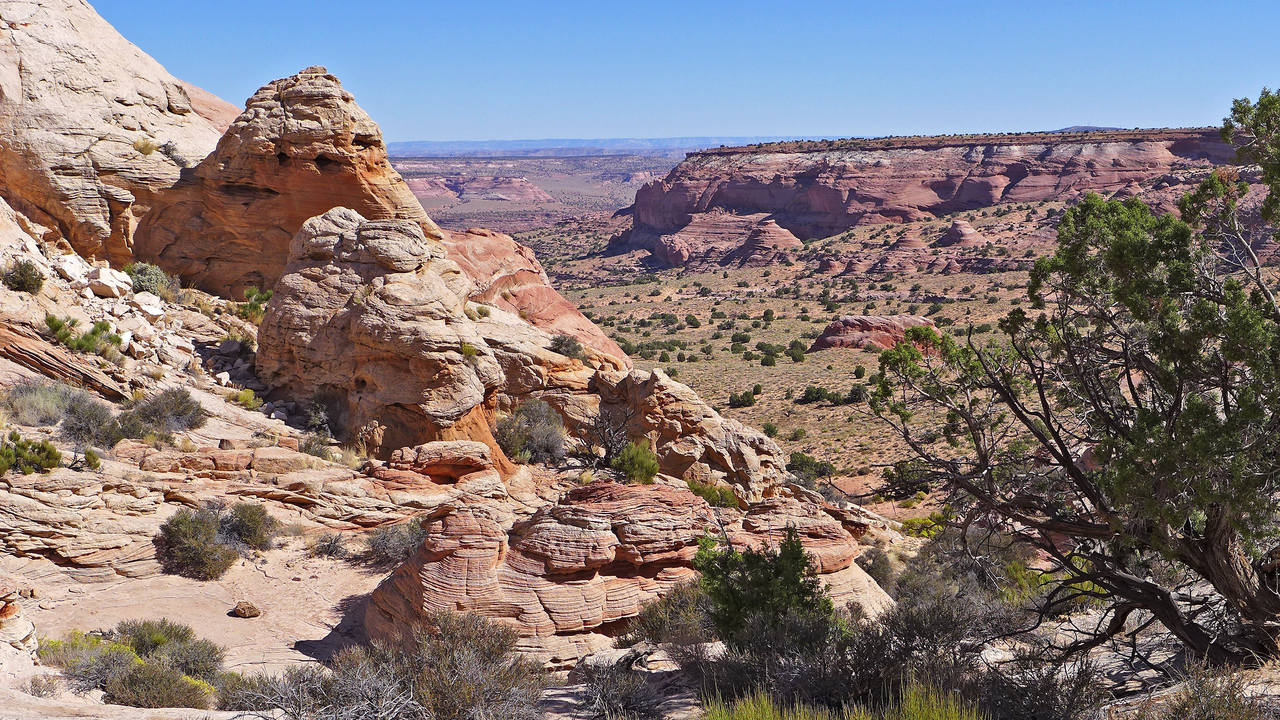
[108, 283]
[867, 331]
[961, 234]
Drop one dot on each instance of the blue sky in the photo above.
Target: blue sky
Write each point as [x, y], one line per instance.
[498, 70]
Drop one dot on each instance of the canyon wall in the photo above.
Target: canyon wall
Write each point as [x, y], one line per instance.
[817, 189]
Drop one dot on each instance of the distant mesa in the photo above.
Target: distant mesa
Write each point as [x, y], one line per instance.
[818, 189]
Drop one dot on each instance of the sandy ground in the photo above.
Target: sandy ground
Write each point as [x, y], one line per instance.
[310, 606]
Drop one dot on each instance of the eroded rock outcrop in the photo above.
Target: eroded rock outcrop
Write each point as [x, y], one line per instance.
[867, 331]
[301, 146]
[93, 127]
[567, 577]
[818, 189]
[372, 318]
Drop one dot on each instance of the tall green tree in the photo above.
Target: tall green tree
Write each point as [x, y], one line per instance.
[1128, 426]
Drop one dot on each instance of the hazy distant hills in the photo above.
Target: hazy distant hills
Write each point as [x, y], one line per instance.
[547, 147]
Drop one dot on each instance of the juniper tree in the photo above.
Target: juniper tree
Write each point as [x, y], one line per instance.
[1127, 426]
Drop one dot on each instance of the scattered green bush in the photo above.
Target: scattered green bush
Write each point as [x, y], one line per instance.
[149, 278]
[807, 469]
[330, 545]
[248, 524]
[188, 545]
[97, 340]
[766, 582]
[770, 430]
[27, 456]
[140, 663]
[255, 304]
[715, 495]
[533, 431]
[169, 410]
[681, 617]
[203, 544]
[568, 346]
[637, 463]
[247, 399]
[24, 276]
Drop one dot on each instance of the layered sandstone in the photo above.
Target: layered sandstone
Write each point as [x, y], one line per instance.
[93, 127]
[867, 331]
[301, 146]
[819, 189]
[372, 318]
[567, 577]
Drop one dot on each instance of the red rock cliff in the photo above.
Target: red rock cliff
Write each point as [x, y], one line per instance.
[816, 189]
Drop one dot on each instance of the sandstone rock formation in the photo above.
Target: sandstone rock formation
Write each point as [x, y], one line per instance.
[715, 238]
[93, 128]
[372, 318]
[819, 189]
[867, 331]
[301, 146]
[16, 630]
[566, 577]
[961, 234]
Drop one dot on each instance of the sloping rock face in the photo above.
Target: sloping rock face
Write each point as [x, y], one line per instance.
[867, 331]
[508, 275]
[93, 127]
[568, 576]
[301, 146]
[820, 189]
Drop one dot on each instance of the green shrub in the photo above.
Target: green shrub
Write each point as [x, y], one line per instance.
[770, 430]
[88, 421]
[247, 399]
[394, 544]
[533, 430]
[807, 469]
[147, 636]
[568, 346]
[613, 691]
[33, 403]
[637, 463]
[681, 617]
[97, 340]
[715, 495]
[188, 545]
[768, 582]
[154, 685]
[255, 304]
[1207, 694]
[248, 524]
[27, 456]
[24, 276]
[317, 445]
[167, 411]
[149, 278]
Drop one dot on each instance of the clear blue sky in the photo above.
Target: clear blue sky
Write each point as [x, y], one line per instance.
[471, 69]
